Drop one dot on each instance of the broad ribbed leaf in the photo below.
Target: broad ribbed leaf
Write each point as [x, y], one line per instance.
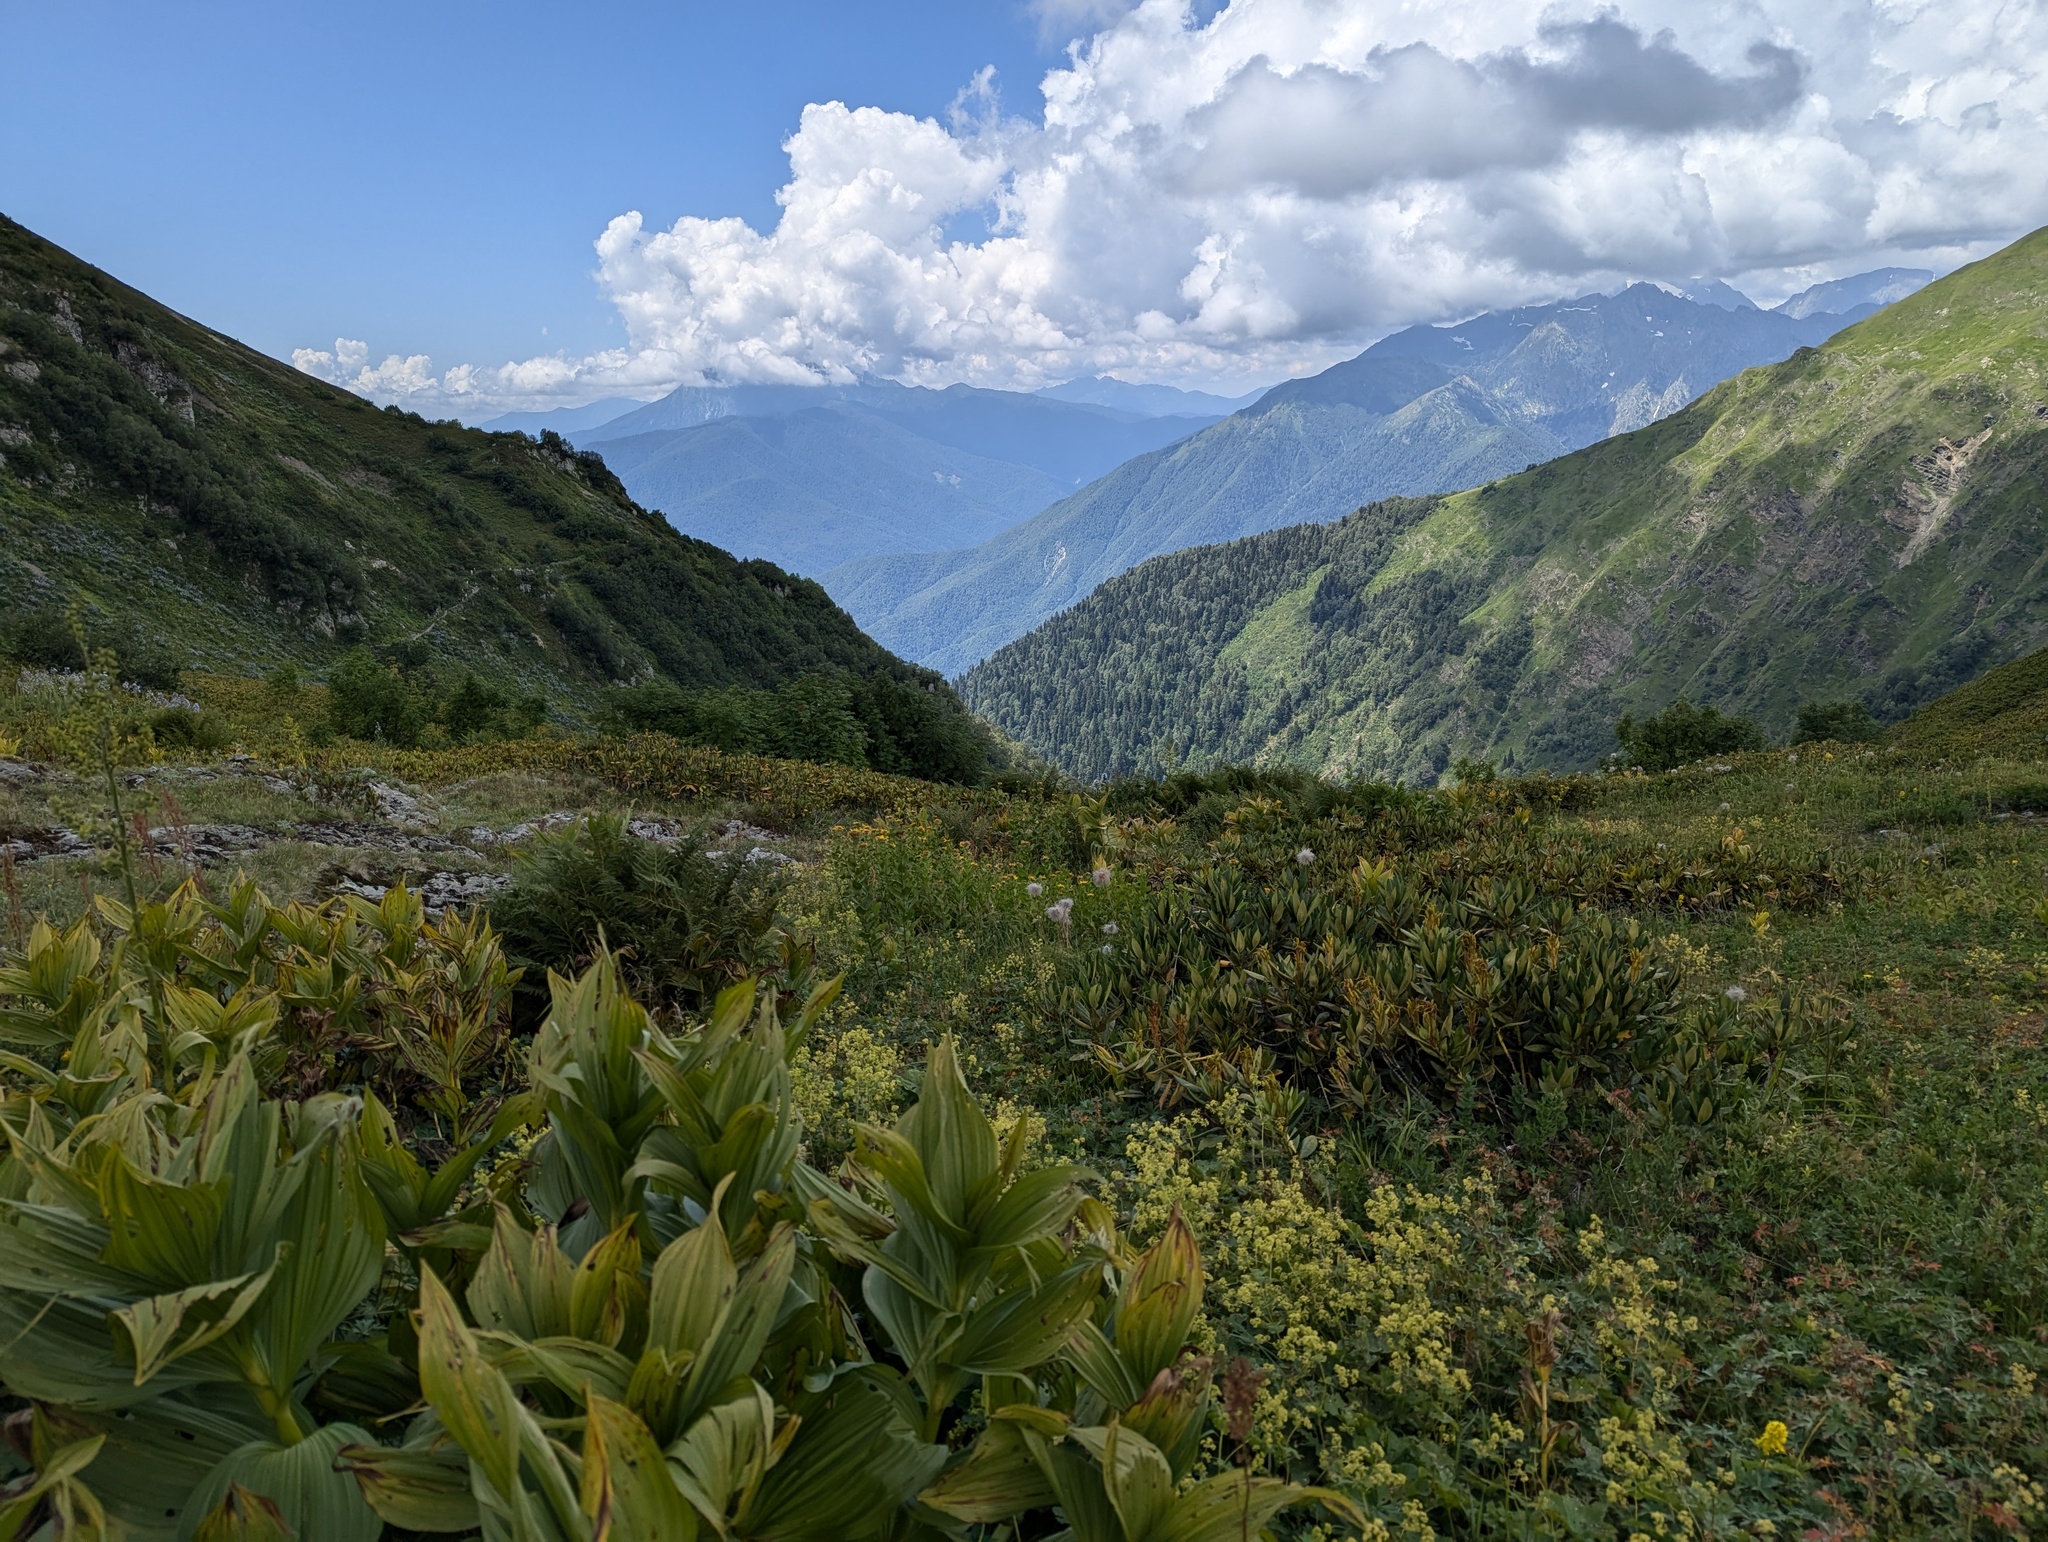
[952, 1135]
[693, 1280]
[1136, 1478]
[607, 1301]
[724, 1453]
[566, 1363]
[475, 1403]
[854, 1463]
[1025, 1327]
[156, 1453]
[1077, 1480]
[522, 1282]
[316, 1501]
[1160, 1298]
[19, 1507]
[1101, 1367]
[167, 1327]
[332, 1236]
[1038, 1205]
[894, 1160]
[998, 1480]
[414, 1488]
[1171, 1413]
[756, 1302]
[627, 1494]
[1234, 1504]
[163, 1232]
[242, 1516]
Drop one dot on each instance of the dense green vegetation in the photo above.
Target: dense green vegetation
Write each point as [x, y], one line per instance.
[879, 722]
[198, 503]
[1683, 733]
[1596, 1157]
[1859, 522]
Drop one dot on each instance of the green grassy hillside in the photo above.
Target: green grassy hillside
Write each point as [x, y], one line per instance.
[2003, 713]
[201, 502]
[1864, 519]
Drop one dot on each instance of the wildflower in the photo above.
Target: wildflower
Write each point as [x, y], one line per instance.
[1106, 948]
[1109, 928]
[1736, 994]
[1304, 856]
[1060, 910]
[1102, 878]
[1772, 1441]
[1034, 889]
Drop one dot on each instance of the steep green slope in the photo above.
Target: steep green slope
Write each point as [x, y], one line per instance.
[1863, 519]
[2005, 712]
[236, 513]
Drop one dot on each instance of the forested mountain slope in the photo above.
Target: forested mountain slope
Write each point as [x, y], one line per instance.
[1428, 410]
[230, 511]
[1863, 519]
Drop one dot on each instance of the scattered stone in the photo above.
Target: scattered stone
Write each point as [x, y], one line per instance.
[438, 892]
[396, 804]
[736, 831]
[29, 845]
[357, 835]
[207, 843]
[483, 835]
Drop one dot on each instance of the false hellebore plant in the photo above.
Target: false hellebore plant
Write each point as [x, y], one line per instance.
[236, 1317]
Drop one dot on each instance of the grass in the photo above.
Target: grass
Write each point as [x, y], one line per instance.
[1854, 1246]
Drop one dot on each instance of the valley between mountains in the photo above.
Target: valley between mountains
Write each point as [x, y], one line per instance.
[1864, 520]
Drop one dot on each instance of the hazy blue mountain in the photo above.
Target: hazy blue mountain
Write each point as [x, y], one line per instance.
[563, 420]
[811, 477]
[1074, 442]
[819, 487]
[1153, 401]
[1857, 296]
[1716, 292]
[1287, 460]
[1429, 409]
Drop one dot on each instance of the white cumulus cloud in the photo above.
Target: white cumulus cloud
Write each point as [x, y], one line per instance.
[1237, 196]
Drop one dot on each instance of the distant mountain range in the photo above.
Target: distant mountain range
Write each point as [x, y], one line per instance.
[1427, 410]
[563, 420]
[1863, 520]
[1158, 401]
[814, 476]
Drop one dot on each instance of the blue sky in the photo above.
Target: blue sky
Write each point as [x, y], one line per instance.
[470, 207]
[430, 175]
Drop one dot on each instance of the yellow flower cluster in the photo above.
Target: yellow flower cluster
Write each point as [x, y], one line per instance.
[1330, 1304]
[849, 1078]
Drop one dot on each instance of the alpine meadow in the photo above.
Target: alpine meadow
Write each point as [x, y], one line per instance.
[962, 876]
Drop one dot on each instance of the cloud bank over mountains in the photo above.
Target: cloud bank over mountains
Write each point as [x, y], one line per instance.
[1231, 198]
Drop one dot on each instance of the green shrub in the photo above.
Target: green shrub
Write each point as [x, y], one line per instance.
[684, 925]
[48, 637]
[1683, 733]
[182, 728]
[1845, 722]
[884, 724]
[391, 697]
[368, 698]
